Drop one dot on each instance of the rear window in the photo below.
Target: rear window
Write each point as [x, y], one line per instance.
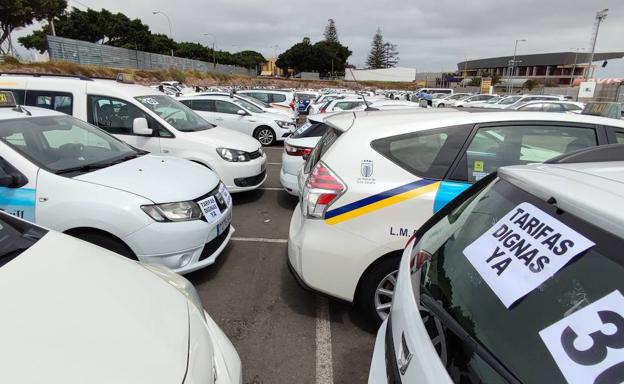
[424, 153]
[310, 129]
[326, 141]
[277, 98]
[512, 334]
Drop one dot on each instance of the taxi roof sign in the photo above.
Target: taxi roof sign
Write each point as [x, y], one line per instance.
[126, 78]
[7, 100]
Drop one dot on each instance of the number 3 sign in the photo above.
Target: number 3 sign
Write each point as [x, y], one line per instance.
[588, 345]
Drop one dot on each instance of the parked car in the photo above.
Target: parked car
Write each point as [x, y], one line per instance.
[451, 319]
[239, 115]
[449, 101]
[511, 102]
[366, 189]
[107, 319]
[487, 103]
[338, 105]
[304, 99]
[448, 91]
[284, 100]
[262, 105]
[297, 147]
[70, 176]
[316, 105]
[470, 100]
[146, 120]
[551, 106]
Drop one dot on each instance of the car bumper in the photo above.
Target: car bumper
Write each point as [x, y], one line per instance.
[377, 372]
[317, 254]
[181, 246]
[243, 176]
[289, 182]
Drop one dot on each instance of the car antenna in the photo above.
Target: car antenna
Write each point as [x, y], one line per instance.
[19, 108]
[368, 107]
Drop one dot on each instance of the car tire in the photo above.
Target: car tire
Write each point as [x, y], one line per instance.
[441, 105]
[265, 135]
[380, 276]
[107, 241]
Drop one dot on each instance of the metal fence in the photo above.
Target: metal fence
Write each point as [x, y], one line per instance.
[82, 52]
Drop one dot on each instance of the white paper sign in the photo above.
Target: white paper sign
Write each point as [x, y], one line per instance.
[210, 209]
[588, 345]
[226, 194]
[522, 250]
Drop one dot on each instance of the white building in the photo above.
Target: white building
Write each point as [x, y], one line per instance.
[384, 74]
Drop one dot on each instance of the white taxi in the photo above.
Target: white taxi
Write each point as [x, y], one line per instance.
[376, 176]
[75, 313]
[65, 174]
[519, 280]
[147, 120]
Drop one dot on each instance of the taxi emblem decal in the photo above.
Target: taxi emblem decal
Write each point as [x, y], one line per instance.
[366, 168]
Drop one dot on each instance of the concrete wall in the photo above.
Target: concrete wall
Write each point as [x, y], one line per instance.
[82, 52]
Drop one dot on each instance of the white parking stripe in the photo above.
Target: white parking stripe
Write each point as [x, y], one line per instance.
[324, 368]
[270, 189]
[259, 240]
[274, 163]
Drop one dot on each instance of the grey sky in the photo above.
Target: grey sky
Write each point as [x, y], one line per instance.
[431, 35]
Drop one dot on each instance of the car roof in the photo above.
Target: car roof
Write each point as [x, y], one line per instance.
[7, 113]
[574, 187]
[395, 122]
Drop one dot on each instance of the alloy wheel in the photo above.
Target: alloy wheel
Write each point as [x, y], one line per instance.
[265, 136]
[384, 294]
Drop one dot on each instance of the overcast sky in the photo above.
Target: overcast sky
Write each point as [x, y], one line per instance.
[431, 35]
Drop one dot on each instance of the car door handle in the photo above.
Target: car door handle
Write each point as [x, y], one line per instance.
[252, 121]
[219, 119]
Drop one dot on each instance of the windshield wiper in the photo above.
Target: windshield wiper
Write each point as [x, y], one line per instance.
[94, 166]
[438, 311]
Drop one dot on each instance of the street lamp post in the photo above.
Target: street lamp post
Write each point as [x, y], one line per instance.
[214, 54]
[600, 17]
[574, 65]
[512, 65]
[168, 21]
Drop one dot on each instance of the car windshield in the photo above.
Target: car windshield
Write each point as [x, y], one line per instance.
[246, 105]
[494, 100]
[510, 100]
[175, 113]
[62, 144]
[510, 334]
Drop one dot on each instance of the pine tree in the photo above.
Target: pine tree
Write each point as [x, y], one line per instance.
[391, 55]
[331, 35]
[376, 57]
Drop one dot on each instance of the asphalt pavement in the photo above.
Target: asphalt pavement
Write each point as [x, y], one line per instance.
[282, 333]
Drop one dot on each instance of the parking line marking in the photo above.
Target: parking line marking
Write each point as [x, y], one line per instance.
[270, 189]
[324, 368]
[259, 240]
[274, 163]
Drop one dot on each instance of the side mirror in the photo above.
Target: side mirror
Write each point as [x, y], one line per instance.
[241, 112]
[139, 127]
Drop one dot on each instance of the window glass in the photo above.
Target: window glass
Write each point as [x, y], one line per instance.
[552, 107]
[571, 107]
[264, 97]
[204, 105]
[175, 113]
[277, 98]
[247, 105]
[57, 101]
[347, 105]
[494, 147]
[226, 107]
[113, 115]
[510, 334]
[16, 236]
[59, 143]
[532, 107]
[18, 94]
[310, 130]
[619, 137]
[424, 153]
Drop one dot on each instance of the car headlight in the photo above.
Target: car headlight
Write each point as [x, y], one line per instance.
[181, 211]
[285, 124]
[233, 155]
[183, 286]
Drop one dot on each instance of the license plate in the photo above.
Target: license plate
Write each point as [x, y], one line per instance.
[223, 226]
[225, 194]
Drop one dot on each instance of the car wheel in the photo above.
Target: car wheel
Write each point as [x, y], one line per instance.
[107, 241]
[377, 289]
[265, 135]
[441, 105]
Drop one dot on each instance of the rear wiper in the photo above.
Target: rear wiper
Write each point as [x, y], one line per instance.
[475, 346]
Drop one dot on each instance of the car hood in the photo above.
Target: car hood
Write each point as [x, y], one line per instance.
[161, 179]
[77, 313]
[226, 138]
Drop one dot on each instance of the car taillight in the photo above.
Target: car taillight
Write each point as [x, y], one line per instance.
[321, 189]
[323, 110]
[292, 104]
[294, 150]
[419, 258]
